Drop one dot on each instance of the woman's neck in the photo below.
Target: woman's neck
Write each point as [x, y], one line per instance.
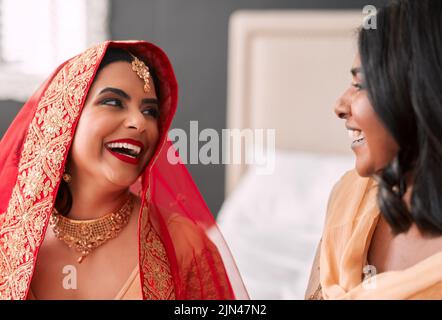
[91, 200]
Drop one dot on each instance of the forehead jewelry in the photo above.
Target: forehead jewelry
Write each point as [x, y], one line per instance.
[142, 72]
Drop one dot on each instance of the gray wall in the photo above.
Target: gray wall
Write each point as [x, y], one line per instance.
[194, 35]
[8, 110]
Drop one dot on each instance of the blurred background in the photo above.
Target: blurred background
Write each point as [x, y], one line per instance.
[277, 64]
[194, 33]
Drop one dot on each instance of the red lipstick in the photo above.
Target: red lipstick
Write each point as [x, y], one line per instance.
[124, 157]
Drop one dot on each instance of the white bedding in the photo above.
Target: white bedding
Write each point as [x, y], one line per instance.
[273, 223]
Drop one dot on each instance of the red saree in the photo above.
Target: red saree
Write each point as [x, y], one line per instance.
[184, 264]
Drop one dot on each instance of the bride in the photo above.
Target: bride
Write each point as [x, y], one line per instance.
[90, 208]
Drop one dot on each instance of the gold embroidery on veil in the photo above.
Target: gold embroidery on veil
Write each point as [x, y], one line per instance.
[48, 136]
[158, 281]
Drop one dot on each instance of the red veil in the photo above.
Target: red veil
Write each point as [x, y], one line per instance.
[182, 254]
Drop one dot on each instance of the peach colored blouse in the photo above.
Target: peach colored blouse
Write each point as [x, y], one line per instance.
[351, 220]
[131, 290]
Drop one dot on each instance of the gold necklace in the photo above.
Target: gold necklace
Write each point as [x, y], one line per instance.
[87, 235]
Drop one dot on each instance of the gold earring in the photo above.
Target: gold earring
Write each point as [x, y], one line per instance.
[67, 177]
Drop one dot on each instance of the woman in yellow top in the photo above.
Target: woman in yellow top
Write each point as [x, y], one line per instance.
[383, 231]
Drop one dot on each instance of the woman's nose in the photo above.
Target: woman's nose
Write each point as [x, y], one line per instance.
[343, 105]
[136, 120]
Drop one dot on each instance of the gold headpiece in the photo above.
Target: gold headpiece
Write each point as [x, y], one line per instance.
[142, 71]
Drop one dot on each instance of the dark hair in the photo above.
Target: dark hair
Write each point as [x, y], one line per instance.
[402, 64]
[63, 202]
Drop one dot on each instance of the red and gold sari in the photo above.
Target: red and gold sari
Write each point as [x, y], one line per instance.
[177, 260]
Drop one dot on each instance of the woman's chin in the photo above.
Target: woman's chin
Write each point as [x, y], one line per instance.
[363, 168]
[121, 181]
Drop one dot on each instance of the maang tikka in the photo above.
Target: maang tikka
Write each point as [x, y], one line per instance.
[142, 71]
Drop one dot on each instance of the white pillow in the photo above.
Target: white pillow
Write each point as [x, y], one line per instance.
[273, 223]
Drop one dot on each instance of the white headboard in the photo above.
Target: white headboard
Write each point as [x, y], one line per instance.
[286, 70]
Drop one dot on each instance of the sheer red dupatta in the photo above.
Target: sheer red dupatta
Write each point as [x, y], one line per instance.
[204, 263]
[177, 259]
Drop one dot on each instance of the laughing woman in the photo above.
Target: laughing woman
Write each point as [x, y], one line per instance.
[90, 207]
[384, 220]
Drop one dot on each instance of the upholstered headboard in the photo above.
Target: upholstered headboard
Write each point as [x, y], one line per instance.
[286, 70]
